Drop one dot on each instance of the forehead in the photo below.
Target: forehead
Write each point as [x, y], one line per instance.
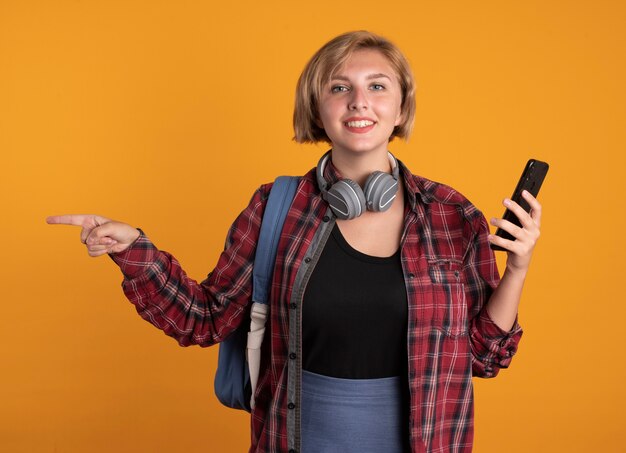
[366, 62]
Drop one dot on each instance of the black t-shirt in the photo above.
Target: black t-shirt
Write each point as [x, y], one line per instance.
[355, 311]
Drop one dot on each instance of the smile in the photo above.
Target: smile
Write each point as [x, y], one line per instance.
[362, 123]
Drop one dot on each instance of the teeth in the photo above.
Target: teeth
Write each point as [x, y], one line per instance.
[362, 123]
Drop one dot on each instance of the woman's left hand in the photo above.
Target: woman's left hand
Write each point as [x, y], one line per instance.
[520, 250]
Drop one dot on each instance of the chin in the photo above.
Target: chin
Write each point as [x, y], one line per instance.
[366, 147]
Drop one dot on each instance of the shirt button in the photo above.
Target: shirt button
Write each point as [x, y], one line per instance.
[307, 260]
[293, 305]
[456, 274]
[291, 406]
[411, 275]
[326, 218]
[292, 356]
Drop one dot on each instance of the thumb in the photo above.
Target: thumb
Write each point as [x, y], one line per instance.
[88, 223]
[119, 232]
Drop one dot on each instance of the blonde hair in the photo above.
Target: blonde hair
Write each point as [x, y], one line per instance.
[324, 64]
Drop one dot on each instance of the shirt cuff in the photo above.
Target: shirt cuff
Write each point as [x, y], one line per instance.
[491, 331]
[137, 258]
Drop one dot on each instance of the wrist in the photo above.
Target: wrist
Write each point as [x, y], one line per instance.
[515, 273]
[136, 234]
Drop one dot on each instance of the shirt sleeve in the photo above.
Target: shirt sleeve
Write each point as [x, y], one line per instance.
[195, 313]
[492, 348]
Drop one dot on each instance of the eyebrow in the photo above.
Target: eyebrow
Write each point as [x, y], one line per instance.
[377, 75]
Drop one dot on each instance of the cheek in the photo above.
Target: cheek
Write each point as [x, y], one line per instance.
[397, 112]
[391, 112]
[327, 114]
[398, 116]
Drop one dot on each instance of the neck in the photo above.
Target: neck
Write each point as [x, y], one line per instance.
[358, 166]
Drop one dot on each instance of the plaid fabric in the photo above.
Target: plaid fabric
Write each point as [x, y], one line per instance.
[450, 273]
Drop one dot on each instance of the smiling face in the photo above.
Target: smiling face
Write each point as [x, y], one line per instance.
[361, 104]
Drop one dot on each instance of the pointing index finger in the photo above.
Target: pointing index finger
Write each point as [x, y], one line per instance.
[69, 219]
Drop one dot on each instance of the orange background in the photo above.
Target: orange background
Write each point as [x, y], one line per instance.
[167, 115]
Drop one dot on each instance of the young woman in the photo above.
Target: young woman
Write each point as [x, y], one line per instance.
[386, 297]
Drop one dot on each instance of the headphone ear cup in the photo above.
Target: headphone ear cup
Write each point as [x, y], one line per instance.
[380, 191]
[346, 199]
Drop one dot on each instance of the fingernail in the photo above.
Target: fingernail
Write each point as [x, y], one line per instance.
[493, 221]
[507, 202]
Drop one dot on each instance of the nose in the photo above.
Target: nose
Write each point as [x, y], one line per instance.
[358, 100]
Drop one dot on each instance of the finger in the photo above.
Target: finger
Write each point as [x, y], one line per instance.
[99, 236]
[85, 232]
[77, 220]
[535, 207]
[524, 217]
[97, 248]
[70, 219]
[111, 247]
[101, 233]
[97, 253]
[506, 244]
[507, 226]
[101, 242]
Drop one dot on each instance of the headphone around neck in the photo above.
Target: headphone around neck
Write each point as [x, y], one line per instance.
[346, 198]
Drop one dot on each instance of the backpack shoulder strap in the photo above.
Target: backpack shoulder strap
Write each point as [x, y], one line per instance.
[278, 204]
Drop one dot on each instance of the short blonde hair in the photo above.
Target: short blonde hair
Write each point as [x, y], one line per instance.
[324, 64]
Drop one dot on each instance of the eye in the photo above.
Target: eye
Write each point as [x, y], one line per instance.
[338, 89]
[377, 87]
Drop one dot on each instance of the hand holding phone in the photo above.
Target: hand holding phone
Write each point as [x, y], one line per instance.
[532, 177]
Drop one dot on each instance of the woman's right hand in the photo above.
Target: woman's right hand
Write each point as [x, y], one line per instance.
[99, 234]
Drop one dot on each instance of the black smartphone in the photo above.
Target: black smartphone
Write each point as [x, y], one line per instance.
[532, 177]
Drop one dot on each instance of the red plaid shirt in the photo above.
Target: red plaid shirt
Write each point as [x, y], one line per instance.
[449, 271]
